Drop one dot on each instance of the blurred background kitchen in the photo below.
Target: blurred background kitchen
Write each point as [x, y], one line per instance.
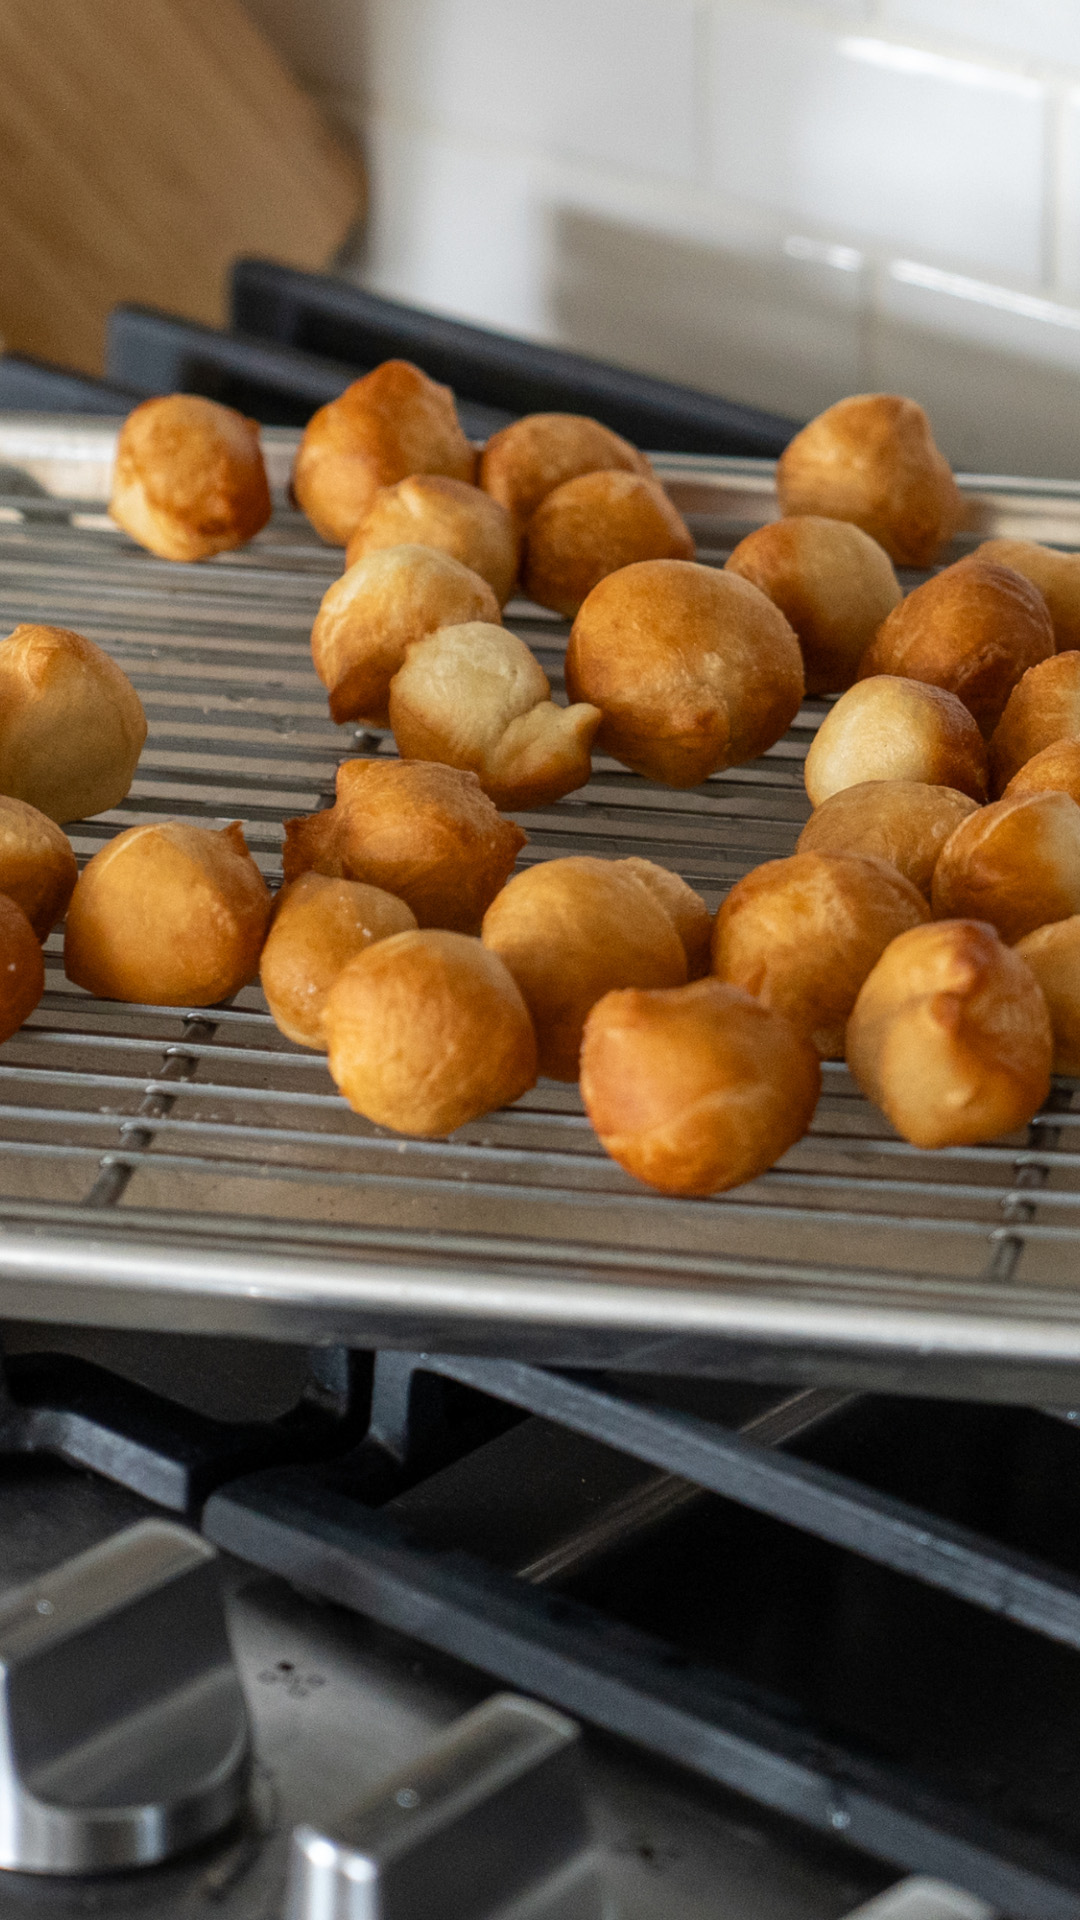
[779, 203]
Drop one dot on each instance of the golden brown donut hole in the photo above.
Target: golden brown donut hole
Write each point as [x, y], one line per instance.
[693, 669]
[950, 1036]
[427, 833]
[168, 915]
[571, 930]
[428, 510]
[590, 527]
[392, 423]
[1057, 576]
[872, 459]
[370, 616]
[831, 581]
[974, 629]
[1043, 707]
[1053, 954]
[697, 1088]
[37, 866]
[426, 1031]
[686, 909]
[1015, 863]
[189, 478]
[72, 726]
[1057, 767]
[524, 462]
[22, 968]
[802, 934]
[904, 822]
[890, 728]
[319, 925]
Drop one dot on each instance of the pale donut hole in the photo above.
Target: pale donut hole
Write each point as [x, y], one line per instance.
[951, 1037]
[890, 728]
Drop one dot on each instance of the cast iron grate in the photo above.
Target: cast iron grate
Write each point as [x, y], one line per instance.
[863, 1613]
[744, 1585]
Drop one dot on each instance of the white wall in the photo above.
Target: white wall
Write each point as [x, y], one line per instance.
[773, 199]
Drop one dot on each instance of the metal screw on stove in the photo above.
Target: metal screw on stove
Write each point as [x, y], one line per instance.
[123, 1730]
[492, 1816]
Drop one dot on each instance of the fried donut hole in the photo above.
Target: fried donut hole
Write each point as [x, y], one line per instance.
[974, 629]
[426, 1031]
[831, 581]
[1053, 954]
[475, 697]
[189, 478]
[686, 909]
[893, 729]
[22, 968]
[37, 867]
[1015, 863]
[168, 915]
[72, 726]
[871, 459]
[527, 460]
[901, 821]
[1043, 707]
[1057, 767]
[319, 926]
[428, 510]
[951, 1036]
[692, 669]
[571, 930]
[802, 934]
[1057, 576]
[427, 833]
[392, 423]
[697, 1088]
[590, 527]
[372, 614]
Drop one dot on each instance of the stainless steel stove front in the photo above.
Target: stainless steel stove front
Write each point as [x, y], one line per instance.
[337, 1704]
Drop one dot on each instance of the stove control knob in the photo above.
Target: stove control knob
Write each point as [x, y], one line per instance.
[492, 1816]
[123, 1731]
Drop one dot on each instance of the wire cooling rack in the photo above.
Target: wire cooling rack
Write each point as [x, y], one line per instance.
[169, 1167]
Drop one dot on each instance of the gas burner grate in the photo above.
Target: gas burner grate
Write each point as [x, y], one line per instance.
[862, 1613]
[732, 1593]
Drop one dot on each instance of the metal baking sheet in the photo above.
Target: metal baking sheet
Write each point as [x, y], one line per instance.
[167, 1169]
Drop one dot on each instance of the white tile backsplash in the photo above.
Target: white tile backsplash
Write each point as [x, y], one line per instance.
[735, 315]
[780, 200]
[449, 229]
[878, 139]
[992, 412]
[1038, 29]
[1025, 325]
[1069, 191]
[608, 81]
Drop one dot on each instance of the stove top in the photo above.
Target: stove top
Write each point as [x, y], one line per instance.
[861, 1614]
[338, 1702]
